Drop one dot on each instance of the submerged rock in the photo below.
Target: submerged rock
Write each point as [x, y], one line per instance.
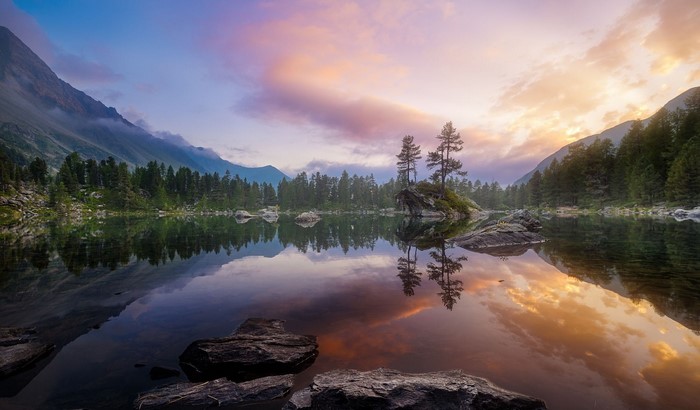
[19, 349]
[517, 229]
[215, 393]
[391, 389]
[259, 347]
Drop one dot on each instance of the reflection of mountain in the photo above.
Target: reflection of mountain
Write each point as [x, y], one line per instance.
[654, 260]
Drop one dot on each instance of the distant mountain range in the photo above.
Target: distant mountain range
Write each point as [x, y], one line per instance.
[42, 115]
[614, 134]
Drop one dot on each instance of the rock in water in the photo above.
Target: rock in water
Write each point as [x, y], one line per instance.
[307, 217]
[259, 347]
[391, 389]
[215, 393]
[19, 349]
[515, 230]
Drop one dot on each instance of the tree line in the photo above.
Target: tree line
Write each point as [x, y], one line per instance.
[159, 186]
[656, 162]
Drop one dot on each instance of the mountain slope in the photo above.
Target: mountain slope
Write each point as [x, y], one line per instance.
[42, 115]
[614, 134]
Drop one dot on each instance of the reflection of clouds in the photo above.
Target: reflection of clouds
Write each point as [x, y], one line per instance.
[558, 316]
[675, 376]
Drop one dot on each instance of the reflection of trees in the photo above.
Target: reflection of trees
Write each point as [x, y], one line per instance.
[345, 232]
[655, 260]
[441, 272]
[117, 241]
[408, 273]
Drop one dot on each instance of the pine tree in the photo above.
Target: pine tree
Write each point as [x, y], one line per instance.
[410, 153]
[443, 157]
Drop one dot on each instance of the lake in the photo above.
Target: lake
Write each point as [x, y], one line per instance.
[605, 314]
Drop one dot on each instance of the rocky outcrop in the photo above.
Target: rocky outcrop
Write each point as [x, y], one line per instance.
[391, 389]
[259, 347]
[417, 204]
[19, 349]
[517, 229]
[215, 393]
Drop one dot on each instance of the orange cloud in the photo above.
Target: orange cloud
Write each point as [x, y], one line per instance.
[676, 38]
[674, 392]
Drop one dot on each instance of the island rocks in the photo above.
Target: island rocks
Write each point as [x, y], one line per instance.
[517, 229]
[19, 349]
[215, 393]
[259, 347]
[391, 389]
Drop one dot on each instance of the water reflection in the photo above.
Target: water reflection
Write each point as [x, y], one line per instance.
[137, 291]
[442, 271]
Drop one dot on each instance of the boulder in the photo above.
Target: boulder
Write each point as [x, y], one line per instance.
[391, 389]
[19, 349]
[518, 229]
[523, 217]
[240, 214]
[215, 393]
[259, 347]
[307, 217]
[684, 215]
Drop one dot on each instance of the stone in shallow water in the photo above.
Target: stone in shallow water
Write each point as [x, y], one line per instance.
[215, 393]
[19, 349]
[391, 389]
[259, 347]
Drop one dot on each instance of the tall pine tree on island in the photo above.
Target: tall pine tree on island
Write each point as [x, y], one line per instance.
[409, 155]
[443, 157]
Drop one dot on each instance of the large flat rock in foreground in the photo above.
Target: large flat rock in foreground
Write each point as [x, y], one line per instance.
[259, 347]
[215, 393]
[19, 349]
[391, 389]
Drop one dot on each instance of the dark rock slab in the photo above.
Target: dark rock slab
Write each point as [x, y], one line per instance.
[19, 349]
[515, 230]
[259, 347]
[391, 389]
[525, 218]
[215, 393]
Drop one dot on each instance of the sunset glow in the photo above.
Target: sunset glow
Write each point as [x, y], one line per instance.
[321, 85]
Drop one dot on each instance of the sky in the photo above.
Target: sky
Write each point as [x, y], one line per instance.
[320, 85]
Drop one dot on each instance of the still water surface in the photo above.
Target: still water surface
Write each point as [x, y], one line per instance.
[606, 314]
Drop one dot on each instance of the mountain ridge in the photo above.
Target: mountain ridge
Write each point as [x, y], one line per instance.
[41, 115]
[614, 134]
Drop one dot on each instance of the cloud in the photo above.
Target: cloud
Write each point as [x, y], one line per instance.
[675, 39]
[322, 67]
[381, 174]
[555, 102]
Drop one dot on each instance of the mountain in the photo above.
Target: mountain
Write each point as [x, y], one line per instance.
[614, 134]
[43, 116]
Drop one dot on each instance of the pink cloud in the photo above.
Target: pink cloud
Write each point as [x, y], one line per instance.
[319, 66]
